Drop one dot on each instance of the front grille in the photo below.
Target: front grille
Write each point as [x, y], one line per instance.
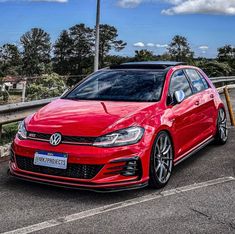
[79, 171]
[82, 140]
[39, 135]
[65, 139]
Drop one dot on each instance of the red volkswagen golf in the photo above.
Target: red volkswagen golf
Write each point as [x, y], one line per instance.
[123, 127]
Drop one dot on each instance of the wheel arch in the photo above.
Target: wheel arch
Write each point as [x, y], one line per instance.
[169, 132]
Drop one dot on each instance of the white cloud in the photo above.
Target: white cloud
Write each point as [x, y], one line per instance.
[220, 7]
[161, 45]
[226, 7]
[203, 47]
[128, 3]
[150, 45]
[139, 44]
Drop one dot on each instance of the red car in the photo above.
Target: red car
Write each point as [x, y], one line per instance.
[122, 127]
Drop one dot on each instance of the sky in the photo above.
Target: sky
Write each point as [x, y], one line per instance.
[143, 24]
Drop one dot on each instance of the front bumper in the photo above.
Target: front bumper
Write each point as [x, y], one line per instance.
[109, 178]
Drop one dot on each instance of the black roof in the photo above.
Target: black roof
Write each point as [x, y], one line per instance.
[147, 65]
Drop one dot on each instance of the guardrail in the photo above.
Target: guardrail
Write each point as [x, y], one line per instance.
[18, 111]
[15, 112]
[223, 80]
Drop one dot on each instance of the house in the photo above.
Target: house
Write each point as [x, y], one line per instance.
[13, 83]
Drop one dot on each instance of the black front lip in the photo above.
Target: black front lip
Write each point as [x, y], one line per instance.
[100, 190]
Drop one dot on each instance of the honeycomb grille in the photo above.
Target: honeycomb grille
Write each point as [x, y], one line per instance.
[68, 139]
[79, 171]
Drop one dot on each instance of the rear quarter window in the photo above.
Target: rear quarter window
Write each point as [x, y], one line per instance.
[198, 82]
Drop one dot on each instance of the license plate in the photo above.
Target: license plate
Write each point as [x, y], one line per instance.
[49, 159]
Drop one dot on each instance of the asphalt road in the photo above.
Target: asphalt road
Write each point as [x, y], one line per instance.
[183, 206]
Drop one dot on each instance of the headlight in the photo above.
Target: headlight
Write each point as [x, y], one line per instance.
[122, 137]
[22, 132]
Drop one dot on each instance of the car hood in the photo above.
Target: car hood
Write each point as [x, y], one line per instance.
[87, 118]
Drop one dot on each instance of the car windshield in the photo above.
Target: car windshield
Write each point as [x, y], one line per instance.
[119, 85]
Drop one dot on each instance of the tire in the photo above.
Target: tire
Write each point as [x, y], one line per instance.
[161, 161]
[221, 136]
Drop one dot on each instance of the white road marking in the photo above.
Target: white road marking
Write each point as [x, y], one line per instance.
[115, 206]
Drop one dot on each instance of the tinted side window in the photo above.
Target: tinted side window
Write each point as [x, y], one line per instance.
[196, 80]
[203, 80]
[180, 82]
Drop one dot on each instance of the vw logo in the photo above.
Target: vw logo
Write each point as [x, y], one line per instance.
[55, 139]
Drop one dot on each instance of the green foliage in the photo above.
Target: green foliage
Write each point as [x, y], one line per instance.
[215, 68]
[9, 131]
[45, 87]
[10, 60]
[36, 52]
[63, 53]
[74, 54]
[179, 49]
[226, 53]
[144, 55]
[74, 50]
[108, 41]
[115, 60]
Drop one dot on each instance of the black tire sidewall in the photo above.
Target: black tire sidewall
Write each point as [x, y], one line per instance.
[218, 138]
[153, 180]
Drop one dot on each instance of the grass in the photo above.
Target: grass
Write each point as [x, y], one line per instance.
[9, 131]
[12, 99]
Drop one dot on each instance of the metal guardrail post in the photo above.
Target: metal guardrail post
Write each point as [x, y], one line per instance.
[229, 104]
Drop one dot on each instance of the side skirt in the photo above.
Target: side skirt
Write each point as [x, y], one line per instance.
[194, 151]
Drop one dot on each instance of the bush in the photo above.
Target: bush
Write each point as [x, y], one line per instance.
[45, 87]
[9, 131]
[215, 69]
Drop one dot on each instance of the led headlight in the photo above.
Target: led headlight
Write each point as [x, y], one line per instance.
[122, 137]
[22, 132]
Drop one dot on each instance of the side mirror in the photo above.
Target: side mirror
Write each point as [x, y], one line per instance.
[179, 96]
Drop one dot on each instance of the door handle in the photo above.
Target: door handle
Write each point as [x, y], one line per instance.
[197, 103]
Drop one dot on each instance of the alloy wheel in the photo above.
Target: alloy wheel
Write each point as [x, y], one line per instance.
[163, 158]
[222, 125]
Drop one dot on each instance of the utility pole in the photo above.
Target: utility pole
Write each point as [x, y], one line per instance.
[24, 90]
[97, 37]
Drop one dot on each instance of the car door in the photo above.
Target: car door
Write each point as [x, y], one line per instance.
[206, 105]
[184, 115]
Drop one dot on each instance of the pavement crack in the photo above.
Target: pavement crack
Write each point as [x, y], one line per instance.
[201, 213]
[214, 218]
[232, 226]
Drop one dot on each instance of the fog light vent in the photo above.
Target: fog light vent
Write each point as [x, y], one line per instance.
[126, 167]
[131, 168]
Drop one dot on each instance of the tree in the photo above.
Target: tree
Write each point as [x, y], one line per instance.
[214, 68]
[74, 50]
[82, 48]
[47, 86]
[116, 59]
[10, 60]
[144, 55]
[179, 49]
[63, 53]
[36, 52]
[108, 41]
[226, 53]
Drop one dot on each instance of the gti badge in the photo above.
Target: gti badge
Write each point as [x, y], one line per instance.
[55, 139]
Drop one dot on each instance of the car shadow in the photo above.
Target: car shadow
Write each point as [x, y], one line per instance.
[46, 191]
